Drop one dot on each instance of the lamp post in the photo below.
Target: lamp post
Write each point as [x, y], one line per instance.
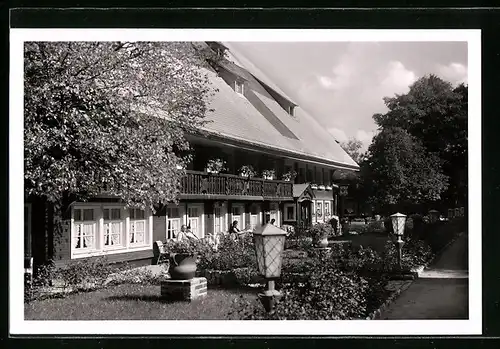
[434, 216]
[269, 244]
[398, 226]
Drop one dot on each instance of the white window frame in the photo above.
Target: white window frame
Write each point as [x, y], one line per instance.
[322, 217]
[285, 212]
[96, 223]
[222, 217]
[274, 206]
[325, 203]
[201, 217]
[181, 219]
[242, 215]
[121, 221]
[135, 220]
[99, 248]
[239, 83]
[256, 215]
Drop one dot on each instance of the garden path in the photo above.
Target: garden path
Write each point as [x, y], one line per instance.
[441, 291]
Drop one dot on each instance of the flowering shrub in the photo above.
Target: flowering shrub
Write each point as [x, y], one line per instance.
[323, 295]
[320, 231]
[414, 253]
[216, 165]
[289, 176]
[185, 246]
[230, 254]
[247, 171]
[86, 273]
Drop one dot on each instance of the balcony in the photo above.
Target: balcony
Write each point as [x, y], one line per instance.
[202, 185]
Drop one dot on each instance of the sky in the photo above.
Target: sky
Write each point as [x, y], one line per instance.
[342, 84]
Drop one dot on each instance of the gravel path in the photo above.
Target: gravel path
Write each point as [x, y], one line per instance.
[441, 292]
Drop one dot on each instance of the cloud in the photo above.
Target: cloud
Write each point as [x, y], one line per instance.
[455, 73]
[338, 134]
[397, 78]
[365, 137]
[325, 81]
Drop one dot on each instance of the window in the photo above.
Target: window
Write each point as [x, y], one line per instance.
[238, 215]
[254, 216]
[84, 237]
[113, 227]
[327, 209]
[291, 110]
[290, 212]
[137, 226]
[195, 219]
[239, 87]
[274, 213]
[173, 222]
[102, 228]
[319, 209]
[219, 219]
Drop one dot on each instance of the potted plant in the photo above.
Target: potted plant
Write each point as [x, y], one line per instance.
[247, 171]
[289, 176]
[314, 186]
[268, 174]
[216, 165]
[321, 187]
[328, 187]
[319, 233]
[182, 259]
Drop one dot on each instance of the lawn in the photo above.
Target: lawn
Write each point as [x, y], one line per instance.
[376, 241]
[135, 302]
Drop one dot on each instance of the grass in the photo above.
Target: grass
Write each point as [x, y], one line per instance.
[376, 241]
[135, 302]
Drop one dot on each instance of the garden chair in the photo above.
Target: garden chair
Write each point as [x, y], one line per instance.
[160, 255]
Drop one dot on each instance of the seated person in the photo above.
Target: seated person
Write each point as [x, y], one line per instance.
[186, 233]
[235, 232]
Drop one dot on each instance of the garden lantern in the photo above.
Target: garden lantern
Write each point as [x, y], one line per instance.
[398, 226]
[269, 245]
[434, 215]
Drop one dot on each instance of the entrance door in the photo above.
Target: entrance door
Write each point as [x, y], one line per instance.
[27, 230]
[305, 213]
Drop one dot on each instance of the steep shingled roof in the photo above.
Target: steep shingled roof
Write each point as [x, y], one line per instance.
[236, 117]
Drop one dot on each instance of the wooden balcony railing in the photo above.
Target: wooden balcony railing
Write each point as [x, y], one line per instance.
[201, 183]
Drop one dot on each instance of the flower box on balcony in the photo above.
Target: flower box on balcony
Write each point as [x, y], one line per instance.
[314, 186]
[328, 187]
[321, 187]
[268, 174]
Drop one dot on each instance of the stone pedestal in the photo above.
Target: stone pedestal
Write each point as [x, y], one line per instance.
[185, 290]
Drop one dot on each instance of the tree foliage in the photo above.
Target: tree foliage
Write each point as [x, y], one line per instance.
[110, 114]
[400, 170]
[424, 134]
[353, 148]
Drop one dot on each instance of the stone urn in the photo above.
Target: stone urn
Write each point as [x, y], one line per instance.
[182, 266]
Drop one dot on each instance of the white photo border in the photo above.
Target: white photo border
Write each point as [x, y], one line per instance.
[19, 326]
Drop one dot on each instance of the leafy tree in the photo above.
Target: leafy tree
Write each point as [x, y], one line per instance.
[353, 148]
[435, 113]
[110, 114]
[399, 170]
